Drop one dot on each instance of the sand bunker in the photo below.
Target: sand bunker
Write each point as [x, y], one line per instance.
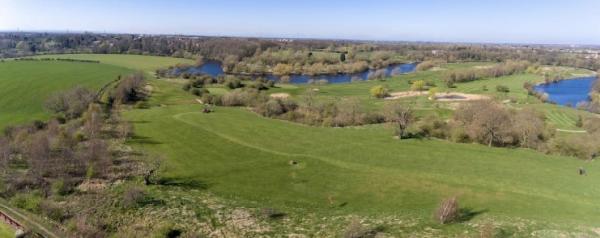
[442, 97]
[455, 97]
[280, 95]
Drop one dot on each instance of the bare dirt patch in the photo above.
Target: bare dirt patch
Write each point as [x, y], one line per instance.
[405, 94]
[458, 97]
[280, 95]
[442, 97]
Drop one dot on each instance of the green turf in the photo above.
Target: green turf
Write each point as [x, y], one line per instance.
[240, 155]
[24, 85]
[6, 231]
[137, 62]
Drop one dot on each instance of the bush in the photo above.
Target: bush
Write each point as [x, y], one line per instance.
[133, 197]
[447, 211]
[53, 211]
[199, 91]
[187, 87]
[502, 89]
[61, 188]
[168, 230]
[418, 85]
[27, 201]
[233, 83]
[379, 91]
[357, 230]
[142, 105]
[211, 99]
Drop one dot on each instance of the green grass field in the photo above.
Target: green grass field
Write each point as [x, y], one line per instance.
[24, 85]
[238, 155]
[6, 231]
[137, 62]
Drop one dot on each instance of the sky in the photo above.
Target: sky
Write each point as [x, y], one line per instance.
[489, 21]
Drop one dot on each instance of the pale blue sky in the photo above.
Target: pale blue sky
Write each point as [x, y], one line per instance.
[522, 21]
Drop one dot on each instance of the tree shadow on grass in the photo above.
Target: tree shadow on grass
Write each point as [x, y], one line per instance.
[189, 183]
[466, 214]
[143, 140]
[139, 121]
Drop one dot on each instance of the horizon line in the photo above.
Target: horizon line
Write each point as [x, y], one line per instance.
[301, 38]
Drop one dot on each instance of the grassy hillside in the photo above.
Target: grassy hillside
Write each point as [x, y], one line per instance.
[237, 154]
[240, 156]
[24, 85]
[137, 62]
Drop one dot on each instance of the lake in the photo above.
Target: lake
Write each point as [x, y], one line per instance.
[214, 69]
[568, 92]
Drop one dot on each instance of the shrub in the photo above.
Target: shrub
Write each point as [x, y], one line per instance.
[61, 188]
[211, 99]
[199, 91]
[418, 85]
[187, 87]
[168, 230]
[71, 103]
[27, 201]
[133, 197]
[379, 91]
[502, 89]
[233, 83]
[53, 211]
[356, 230]
[447, 211]
[142, 105]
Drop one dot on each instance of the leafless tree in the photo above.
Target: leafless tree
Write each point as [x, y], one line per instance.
[400, 115]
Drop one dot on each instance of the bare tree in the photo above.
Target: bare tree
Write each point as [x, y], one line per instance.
[400, 116]
[93, 120]
[485, 121]
[529, 125]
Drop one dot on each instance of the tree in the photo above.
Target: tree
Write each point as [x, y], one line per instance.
[130, 89]
[283, 69]
[343, 57]
[485, 121]
[93, 121]
[379, 91]
[448, 211]
[400, 116]
[530, 126]
[71, 103]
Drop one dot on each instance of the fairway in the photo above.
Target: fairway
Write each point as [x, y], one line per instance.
[238, 154]
[137, 62]
[24, 85]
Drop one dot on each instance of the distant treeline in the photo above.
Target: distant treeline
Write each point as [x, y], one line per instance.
[255, 53]
[472, 74]
[58, 59]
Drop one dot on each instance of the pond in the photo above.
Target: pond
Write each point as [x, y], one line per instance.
[568, 92]
[214, 69]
